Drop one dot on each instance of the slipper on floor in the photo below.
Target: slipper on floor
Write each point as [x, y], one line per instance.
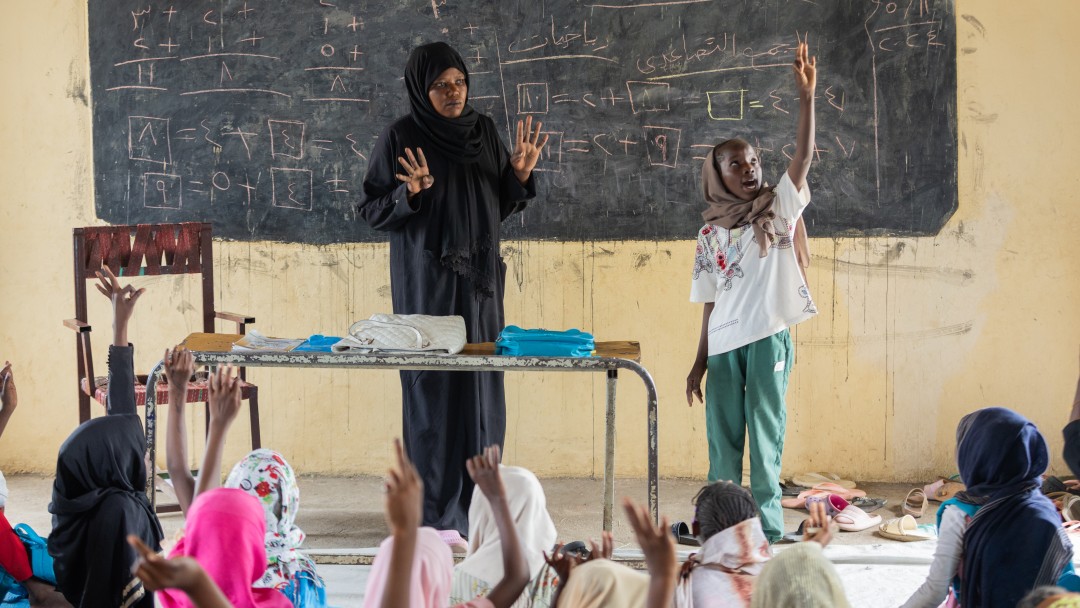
[869, 504]
[799, 502]
[791, 489]
[683, 535]
[810, 480]
[852, 518]
[839, 490]
[797, 535]
[942, 490]
[1053, 484]
[1070, 508]
[914, 503]
[903, 528]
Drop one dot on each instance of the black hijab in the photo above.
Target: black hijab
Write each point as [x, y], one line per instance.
[458, 138]
[99, 497]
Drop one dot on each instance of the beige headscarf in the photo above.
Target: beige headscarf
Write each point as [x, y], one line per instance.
[799, 577]
[602, 583]
[528, 507]
[729, 211]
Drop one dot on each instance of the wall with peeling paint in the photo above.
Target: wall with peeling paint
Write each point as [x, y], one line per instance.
[913, 333]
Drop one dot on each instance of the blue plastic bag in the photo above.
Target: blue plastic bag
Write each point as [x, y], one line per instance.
[38, 551]
[518, 342]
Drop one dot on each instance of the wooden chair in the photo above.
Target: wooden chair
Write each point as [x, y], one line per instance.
[148, 249]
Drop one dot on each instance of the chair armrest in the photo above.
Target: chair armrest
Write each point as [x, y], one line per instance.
[234, 317]
[77, 325]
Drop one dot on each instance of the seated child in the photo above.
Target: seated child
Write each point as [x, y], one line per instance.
[528, 505]
[414, 567]
[99, 494]
[733, 549]
[264, 474]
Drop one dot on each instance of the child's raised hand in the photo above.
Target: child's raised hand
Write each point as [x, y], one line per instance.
[157, 572]
[224, 395]
[604, 550]
[656, 542]
[805, 69]
[123, 298]
[484, 470]
[179, 366]
[819, 527]
[404, 494]
[562, 563]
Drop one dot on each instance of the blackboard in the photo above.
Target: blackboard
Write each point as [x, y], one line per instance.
[258, 115]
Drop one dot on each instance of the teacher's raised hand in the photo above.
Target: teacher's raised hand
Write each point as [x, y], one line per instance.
[416, 176]
[527, 147]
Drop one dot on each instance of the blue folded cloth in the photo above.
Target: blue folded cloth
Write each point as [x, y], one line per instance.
[317, 343]
[518, 342]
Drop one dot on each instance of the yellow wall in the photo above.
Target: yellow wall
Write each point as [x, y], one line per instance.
[913, 332]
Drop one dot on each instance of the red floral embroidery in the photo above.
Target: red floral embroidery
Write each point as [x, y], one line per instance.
[262, 489]
[706, 230]
[721, 261]
[278, 460]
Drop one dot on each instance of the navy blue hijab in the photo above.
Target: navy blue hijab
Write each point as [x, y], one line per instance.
[1015, 542]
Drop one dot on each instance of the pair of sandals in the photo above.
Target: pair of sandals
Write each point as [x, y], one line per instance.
[847, 516]
[916, 501]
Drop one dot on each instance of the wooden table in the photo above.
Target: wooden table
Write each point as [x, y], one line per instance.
[610, 357]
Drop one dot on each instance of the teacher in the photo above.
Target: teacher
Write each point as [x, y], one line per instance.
[440, 182]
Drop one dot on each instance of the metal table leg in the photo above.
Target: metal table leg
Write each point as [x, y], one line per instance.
[151, 431]
[609, 449]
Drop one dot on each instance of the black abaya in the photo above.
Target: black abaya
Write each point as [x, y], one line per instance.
[447, 416]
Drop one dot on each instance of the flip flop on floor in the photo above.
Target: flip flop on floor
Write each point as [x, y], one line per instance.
[841, 491]
[791, 489]
[797, 535]
[914, 503]
[810, 480]
[942, 490]
[903, 528]
[683, 535]
[869, 504]
[799, 502]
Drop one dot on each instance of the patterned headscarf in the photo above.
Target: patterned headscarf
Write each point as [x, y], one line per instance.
[266, 475]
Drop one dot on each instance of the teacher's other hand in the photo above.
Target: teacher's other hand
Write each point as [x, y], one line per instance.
[416, 176]
[527, 148]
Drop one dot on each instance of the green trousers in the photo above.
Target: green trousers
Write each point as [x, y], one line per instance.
[744, 395]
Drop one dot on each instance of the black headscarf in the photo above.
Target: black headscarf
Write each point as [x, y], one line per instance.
[458, 138]
[99, 497]
[1015, 542]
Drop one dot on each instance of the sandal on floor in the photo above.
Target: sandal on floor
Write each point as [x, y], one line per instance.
[1070, 507]
[841, 491]
[799, 502]
[903, 528]
[914, 503]
[797, 535]
[810, 480]
[854, 519]
[683, 535]
[942, 490]
[869, 504]
[791, 489]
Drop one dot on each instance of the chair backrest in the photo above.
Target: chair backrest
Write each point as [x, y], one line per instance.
[146, 249]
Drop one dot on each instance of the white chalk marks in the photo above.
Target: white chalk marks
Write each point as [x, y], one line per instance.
[551, 156]
[291, 188]
[532, 98]
[148, 139]
[662, 144]
[286, 138]
[648, 96]
[162, 191]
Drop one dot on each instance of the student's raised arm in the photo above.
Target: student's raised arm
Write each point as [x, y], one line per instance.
[805, 69]
[659, 548]
[183, 573]
[224, 405]
[179, 366]
[9, 397]
[121, 397]
[404, 509]
[484, 470]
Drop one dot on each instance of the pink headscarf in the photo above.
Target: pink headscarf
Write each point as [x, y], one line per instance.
[225, 532]
[432, 571]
